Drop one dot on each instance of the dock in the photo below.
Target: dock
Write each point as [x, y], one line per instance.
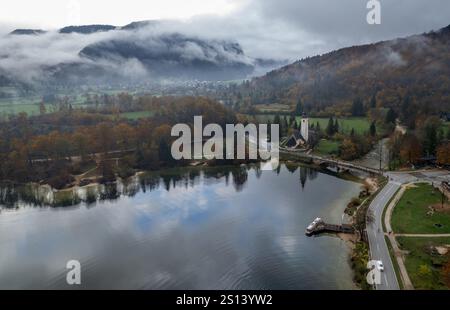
[318, 226]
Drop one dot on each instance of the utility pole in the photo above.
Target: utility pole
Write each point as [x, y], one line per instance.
[381, 155]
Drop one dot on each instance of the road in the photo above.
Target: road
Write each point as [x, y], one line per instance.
[377, 243]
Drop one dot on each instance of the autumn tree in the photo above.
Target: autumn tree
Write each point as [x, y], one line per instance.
[443, 154]
[163, 136]
[430, 135]
[348, 150]
[445, 271]
[42, 108]
[410, 149]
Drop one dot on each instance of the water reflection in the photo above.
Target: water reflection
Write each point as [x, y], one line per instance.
[234, 228]
[12, 195]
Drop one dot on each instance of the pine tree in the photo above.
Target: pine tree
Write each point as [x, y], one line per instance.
[431, 139]
[373, 129]
[373, 101]
[330, 127]
[358, 107]
[299, 108]
[336, 126]
[391, 116]
[285, 126]
[42, 108]
[292, 121]
[277, 119]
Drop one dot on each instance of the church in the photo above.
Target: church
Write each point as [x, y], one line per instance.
[300, 138]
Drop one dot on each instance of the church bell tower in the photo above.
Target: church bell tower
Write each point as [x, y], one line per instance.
[304, 129]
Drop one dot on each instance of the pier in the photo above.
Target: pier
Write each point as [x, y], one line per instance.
[318, 226]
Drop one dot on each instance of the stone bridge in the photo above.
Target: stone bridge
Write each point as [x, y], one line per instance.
[329, 162]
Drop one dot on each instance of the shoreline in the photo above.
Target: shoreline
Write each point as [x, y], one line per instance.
[351, 240]
[198, 164]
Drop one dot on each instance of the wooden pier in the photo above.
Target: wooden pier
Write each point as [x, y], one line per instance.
[318, 226]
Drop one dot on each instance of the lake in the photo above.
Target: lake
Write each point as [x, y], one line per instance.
[195, 228]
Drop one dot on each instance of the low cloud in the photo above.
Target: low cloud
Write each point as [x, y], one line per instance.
[269, 29]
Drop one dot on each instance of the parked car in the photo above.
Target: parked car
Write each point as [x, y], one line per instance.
[380, 265]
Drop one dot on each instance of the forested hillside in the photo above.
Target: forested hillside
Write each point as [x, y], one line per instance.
[410, 75]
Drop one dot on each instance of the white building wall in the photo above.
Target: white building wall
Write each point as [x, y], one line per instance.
[304, 130]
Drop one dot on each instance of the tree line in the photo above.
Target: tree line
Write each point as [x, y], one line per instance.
[54, 147]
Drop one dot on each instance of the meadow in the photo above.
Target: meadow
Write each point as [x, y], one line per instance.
[423, 263]
[413, 215]
[360, 124]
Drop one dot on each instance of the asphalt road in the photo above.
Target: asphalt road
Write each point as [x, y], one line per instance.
[377, 242]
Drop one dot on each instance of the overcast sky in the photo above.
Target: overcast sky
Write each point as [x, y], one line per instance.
[289, 29]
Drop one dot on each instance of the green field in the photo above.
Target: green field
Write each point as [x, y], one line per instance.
[446, 127]
[29, 108]
[423, 263]
[360, 124]
[137, 115]
[327, 147]
[273, 108]
[411, 216]
[30, 105]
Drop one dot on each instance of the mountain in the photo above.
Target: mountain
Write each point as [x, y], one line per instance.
[87, 29]
[176, 55]
[27, 32]
[140, 24]
[135, 53]
[415, 70]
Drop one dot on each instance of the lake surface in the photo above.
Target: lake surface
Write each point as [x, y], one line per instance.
[212, 228]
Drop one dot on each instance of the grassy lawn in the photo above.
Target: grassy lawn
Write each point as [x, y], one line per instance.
[28, 105]
[446, 127]
[275, 108]
[423, 263]
[410, 214]
[327, 147]
[137, 115]
[360, 124]
[16, 108]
